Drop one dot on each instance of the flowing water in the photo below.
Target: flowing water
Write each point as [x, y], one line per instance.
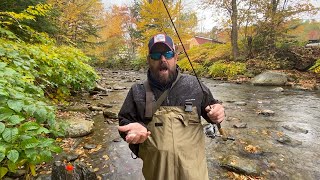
[298, 159]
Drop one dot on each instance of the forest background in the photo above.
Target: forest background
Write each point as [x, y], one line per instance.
[49, 48]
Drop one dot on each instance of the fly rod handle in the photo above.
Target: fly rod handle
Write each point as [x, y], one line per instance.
[221, 131]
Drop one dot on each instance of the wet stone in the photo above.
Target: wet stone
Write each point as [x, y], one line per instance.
[72, 157]
[266, 112]
[240, 166]
[77, 108]
[295, 129]
[104, 105]
[93, 93]
[278, 89]
[240, 125]
[240, 103]
[80, 172]
[89, 146]
[288, 141]
[232, 119]
[44, 177]
[109, 114]
[95, 108]
[119, 139]
[119, 87]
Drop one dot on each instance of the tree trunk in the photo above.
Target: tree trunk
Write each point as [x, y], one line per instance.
[272, 35]
[234, 30]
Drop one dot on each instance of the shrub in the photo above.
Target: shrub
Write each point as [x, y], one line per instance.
[139, 63]
[24, 139]
[58, 70]
[229, 70]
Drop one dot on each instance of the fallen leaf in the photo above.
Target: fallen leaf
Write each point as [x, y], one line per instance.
[252, 149]
[96, 169]
[106, 157]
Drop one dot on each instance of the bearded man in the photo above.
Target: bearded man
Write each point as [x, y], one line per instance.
[160, 118]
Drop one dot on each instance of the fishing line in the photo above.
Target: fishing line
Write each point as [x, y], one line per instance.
[174, 26]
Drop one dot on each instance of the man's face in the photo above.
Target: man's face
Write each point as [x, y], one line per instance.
[163, 70]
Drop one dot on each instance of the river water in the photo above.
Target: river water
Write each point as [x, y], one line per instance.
[298, 158]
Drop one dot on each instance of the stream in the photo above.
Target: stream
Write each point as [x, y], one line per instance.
[283, 145]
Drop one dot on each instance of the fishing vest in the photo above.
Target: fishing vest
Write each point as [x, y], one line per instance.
[175, 150]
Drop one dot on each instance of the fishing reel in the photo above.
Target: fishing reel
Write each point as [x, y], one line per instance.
[210, 131]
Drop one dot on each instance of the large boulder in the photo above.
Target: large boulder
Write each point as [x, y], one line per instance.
[270, 78]
[78, 127]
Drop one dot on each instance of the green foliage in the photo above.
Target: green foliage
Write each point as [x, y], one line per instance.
[139, 63]
[204, 56]
[26, 120]
[230, 70]
[58, 70]
[23, 113]
[208, 53]
[185, 66]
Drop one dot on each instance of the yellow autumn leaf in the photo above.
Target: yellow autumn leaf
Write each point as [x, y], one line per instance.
[106, 157]
[32, 169]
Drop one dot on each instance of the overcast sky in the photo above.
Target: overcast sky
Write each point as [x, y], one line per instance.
[206, 21]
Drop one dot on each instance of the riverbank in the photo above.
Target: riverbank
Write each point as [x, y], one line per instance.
[308, 81]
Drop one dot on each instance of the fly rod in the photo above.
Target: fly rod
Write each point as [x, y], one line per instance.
[221, 131]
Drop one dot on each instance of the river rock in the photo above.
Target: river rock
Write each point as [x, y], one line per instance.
[110, 114]
[229, 118]
[266, 112]
[80, 172]
[99, 88]
[240, 166]
[89, 146]
[278, 89]
[91, 93]
[78, 127]
[116, 87]
[95, 108]
[71, 156]
[104, 105]
[240, 103]
[295, 129]
[44, 177]
[288, 141]
[270, 78]
[78, 108]
[118, 139]
[240, 125]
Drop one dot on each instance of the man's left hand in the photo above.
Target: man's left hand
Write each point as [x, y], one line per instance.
[216, 113]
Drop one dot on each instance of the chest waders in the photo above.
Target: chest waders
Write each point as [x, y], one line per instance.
[175, 150]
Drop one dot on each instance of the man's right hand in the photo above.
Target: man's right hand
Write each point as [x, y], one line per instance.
[136, 133]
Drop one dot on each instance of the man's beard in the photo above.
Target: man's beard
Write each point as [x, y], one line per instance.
[163, 79]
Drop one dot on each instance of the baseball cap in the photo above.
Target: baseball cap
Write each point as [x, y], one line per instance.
[161, 38]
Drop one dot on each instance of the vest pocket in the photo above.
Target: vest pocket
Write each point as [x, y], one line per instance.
[189, 118]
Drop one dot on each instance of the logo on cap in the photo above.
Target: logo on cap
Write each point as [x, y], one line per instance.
[159, 38]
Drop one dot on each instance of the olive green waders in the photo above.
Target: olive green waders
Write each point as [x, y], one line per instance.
[175, 150]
